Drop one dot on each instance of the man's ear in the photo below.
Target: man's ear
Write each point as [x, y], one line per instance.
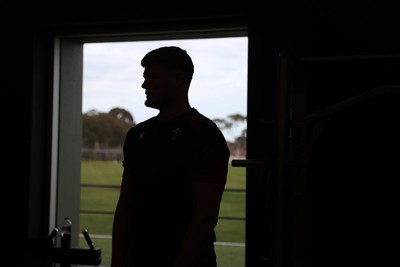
[179, 76]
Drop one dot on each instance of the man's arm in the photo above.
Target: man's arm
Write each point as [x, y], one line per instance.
[122, 219]
[206, 199]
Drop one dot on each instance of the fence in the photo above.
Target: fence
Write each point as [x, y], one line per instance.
[102, 154]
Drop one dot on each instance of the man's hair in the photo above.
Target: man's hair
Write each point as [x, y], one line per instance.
[170, 57]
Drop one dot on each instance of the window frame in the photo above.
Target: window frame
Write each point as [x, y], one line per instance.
[67, 109]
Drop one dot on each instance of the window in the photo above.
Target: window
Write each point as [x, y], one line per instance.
[71, 98]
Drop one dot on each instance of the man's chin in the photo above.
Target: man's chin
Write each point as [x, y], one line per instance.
[148, 104]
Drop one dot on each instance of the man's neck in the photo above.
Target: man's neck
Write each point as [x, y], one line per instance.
[167, 115]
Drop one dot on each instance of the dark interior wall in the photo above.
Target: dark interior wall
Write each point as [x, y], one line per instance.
[306, 29]
[17, 84]
[352, 159]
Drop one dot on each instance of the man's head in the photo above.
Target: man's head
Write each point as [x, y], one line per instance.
[168, 72]
[170, 57]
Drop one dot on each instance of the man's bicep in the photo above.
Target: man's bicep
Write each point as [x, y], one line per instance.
[210, 165]
[126, 187]
[207, 197]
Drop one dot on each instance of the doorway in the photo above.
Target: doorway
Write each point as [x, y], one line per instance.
[235, 243]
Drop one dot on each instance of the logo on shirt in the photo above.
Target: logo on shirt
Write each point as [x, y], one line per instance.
[175, 133]
[141, 135]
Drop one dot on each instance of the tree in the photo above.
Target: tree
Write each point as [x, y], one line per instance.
[235, 123]
[122, 114]
[106, 130]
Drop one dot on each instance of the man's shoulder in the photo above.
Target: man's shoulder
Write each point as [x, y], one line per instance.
[148, 122]
[142, 126]
[197, 120]
[202, 126]
[206, 132]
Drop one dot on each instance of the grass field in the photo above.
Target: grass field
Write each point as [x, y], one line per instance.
[229, 232]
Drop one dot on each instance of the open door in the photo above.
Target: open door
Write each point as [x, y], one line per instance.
[268, 190]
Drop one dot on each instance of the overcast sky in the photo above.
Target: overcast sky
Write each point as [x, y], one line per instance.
[112, 76]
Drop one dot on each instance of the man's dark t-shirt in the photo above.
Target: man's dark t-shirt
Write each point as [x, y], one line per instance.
[163, 159]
